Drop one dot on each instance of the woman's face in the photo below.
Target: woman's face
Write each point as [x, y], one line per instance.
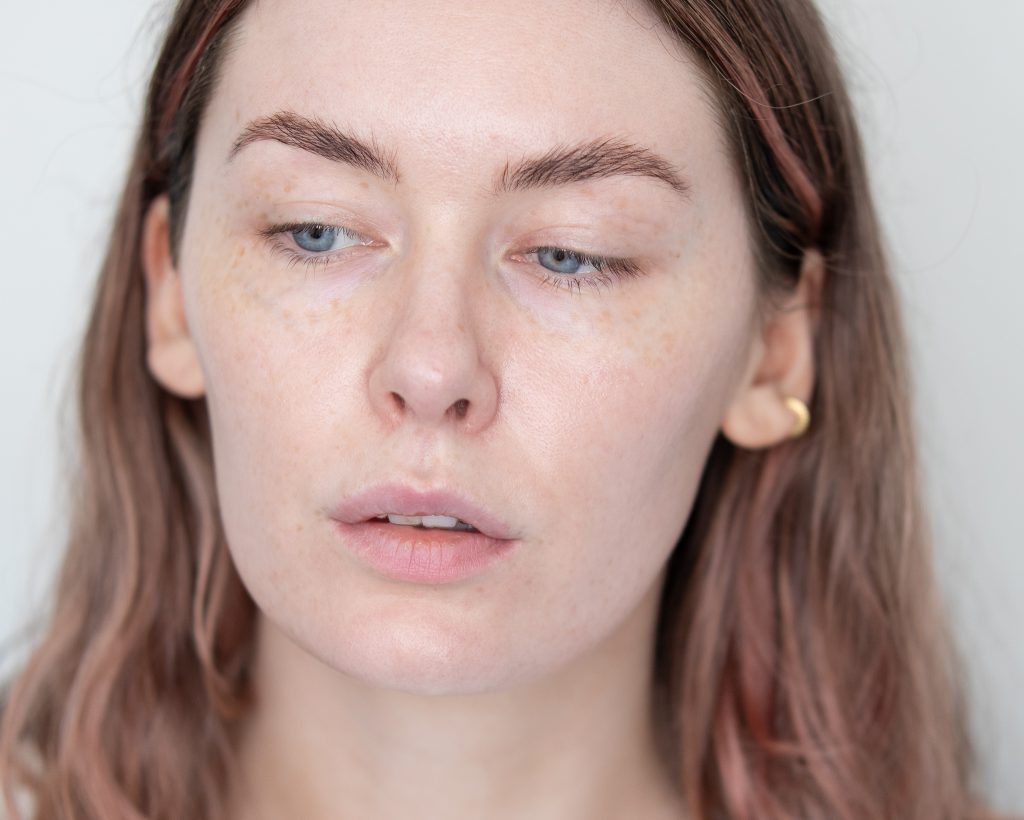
[434, 345]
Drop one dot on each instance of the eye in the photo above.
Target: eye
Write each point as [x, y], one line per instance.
[577, 270]
[312, 244]
[322, 238]
[560, 260]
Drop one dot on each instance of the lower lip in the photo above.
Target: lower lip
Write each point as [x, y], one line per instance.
[421, 555]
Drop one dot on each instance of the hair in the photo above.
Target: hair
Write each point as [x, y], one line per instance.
[804, 667]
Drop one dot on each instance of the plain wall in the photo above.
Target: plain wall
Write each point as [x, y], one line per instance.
[937, 83]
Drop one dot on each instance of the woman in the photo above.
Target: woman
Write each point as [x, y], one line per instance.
[597, 288]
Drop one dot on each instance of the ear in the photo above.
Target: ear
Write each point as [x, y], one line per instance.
[781, 364]
[170, 352]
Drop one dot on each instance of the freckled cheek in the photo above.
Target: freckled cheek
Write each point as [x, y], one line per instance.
[648, 392]
[661, 387]
[647, 430]
[250, 352]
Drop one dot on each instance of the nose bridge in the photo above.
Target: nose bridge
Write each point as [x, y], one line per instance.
[432, 368]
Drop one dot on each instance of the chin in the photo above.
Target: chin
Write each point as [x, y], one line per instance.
[419, 656]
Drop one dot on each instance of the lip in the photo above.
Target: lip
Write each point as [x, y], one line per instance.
[415, 554]
[422, 556]
[400, 499]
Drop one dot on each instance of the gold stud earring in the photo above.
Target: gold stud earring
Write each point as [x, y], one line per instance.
[803, 416]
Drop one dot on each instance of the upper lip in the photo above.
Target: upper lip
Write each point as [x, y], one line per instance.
[400, 499]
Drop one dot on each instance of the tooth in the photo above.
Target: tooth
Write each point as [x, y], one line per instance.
[411, 520]
[425, 520]
[440, 521]
[446, 522]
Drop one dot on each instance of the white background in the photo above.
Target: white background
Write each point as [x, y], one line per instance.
[938, 85]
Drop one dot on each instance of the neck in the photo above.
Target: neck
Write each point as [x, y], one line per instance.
[578, 744]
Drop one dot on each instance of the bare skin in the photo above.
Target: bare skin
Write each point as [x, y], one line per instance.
[584, 416]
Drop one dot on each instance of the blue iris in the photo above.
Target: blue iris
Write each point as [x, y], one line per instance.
[559, 260]
[315, 238]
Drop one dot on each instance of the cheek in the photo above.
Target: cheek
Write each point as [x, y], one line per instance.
[615, 432]
[259, 365]
[257, 341]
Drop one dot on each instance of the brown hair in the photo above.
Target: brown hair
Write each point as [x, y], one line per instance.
[803, 666]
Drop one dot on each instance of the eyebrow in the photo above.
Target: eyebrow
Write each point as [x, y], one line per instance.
[593, 159]
[561, 165]
[317, 137]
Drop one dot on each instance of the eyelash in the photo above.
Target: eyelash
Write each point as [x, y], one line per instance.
[609, 268]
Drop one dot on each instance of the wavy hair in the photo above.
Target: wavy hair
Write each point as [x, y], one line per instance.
[804, 668]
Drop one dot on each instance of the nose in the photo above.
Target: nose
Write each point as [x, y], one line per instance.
[431, 369]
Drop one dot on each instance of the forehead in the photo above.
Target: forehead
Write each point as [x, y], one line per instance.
[453, 83]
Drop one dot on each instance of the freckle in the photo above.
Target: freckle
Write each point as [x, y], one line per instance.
[658, 353]
[650, 358]
[340, 307]
[364, 184]
[288, 187]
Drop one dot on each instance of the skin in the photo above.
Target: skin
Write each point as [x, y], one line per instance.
[524, 692]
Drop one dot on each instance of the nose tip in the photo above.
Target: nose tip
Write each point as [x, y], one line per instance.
[431, 373]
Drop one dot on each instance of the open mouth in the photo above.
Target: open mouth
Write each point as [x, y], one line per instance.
[425, 522]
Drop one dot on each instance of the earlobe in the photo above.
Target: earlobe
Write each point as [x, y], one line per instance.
[171, 354]
[781, 366]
